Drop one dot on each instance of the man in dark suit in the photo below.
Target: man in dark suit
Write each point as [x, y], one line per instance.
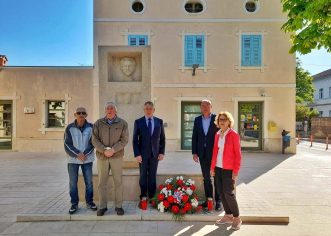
[202, 148]
[148, 148]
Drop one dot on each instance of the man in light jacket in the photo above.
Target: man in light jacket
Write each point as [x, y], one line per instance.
[78, 146]
[110, 136]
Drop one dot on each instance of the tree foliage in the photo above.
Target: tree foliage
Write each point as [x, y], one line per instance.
[309, 22]
[304, 93]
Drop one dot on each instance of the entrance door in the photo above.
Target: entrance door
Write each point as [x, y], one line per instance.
[6, 125]
[190, 110]
[250, 125]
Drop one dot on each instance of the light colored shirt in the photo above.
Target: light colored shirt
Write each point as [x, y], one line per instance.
[221, 142]
[206, 123]
[152, 121]
[110, 121]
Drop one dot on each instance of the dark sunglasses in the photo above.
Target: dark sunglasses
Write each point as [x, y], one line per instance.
[222, 119]
[81, 113]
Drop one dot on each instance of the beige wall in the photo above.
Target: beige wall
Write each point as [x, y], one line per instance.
[30, 87]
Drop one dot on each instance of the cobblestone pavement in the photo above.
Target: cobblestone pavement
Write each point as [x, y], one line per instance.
[298, 186]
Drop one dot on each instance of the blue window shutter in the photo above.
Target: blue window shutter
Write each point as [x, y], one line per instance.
[132, 40]
[245, 50]
[199, 50]
[189, 50]
[256, 50]
[138, 40]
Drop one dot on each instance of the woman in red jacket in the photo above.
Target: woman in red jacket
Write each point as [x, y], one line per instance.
[225, 166]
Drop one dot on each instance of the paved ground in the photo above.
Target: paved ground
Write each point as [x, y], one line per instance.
[298, 185]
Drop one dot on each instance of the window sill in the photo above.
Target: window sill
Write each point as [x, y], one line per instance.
[52, 130]
[204, 68]
[240, 68]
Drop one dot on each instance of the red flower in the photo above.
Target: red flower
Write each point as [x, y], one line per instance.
[170, 199]
[161, 187]
[169, 186]
[184, 187]
[180, 182]
[192, 187]
[182, 211]
[185, 198]
[188, 207]
[199, 208]
[166, 204]
[175, 209]
[160, 197]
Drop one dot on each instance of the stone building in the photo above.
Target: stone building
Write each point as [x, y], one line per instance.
[174, 52]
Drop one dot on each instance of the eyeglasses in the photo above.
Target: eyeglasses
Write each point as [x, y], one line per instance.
[222, 119]
[81, 113]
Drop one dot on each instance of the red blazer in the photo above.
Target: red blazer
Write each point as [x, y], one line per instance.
[231, 153]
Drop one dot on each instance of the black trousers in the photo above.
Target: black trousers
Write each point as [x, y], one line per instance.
[205, 163]
[147, 181]
[224, 182]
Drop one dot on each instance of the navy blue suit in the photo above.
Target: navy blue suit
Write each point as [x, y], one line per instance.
[148, 147]
[202, 145]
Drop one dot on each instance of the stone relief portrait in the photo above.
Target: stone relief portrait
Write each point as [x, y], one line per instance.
[124, 68]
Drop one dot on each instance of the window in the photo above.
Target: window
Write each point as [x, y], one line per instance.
[251, 50]
[194, 50]
[138, 40]
[320, 93]
[194, 7]
[137, 7]
[321, 113]
[55, 112]
[251, 6]
[329, 92]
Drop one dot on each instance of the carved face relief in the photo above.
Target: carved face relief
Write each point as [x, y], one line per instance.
[128, 65]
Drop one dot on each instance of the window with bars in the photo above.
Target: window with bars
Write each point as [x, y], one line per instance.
[55, 111]
[137, 40]
[251, 50]
[194, 50]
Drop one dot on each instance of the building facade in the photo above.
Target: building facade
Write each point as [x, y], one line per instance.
[322, 95]
[176, 53]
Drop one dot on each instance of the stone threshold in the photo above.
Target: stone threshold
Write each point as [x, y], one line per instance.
[152, 215]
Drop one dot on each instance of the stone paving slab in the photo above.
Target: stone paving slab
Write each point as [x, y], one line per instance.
[254, 209]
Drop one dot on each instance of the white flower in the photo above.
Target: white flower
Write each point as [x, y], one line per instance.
[189, 191]
[160, 207]
[194, 203]
[181, 177]
[177, 178]
[169, 193]
[164, 191]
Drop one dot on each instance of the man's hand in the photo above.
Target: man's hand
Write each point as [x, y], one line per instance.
[160, 157]
[234, 178]
[139, 159]
[109, 153]
[212, 173]
[81, 157]
[196, 158]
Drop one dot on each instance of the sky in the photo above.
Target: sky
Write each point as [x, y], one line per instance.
[60, 33]
[47, 32]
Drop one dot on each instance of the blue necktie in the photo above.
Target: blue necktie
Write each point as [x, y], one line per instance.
[149, 126]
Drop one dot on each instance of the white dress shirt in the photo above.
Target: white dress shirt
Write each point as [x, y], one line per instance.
[221, 142]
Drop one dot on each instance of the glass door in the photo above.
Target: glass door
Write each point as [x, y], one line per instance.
[190, 110]
[6, 125]
[250, 125]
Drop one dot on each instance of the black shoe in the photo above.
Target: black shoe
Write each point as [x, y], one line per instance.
[91, 206]
[102, 211]
[73, 209]
[119, 211]
[218, 206]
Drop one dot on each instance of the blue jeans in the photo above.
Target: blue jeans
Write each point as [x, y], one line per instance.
[73, 179]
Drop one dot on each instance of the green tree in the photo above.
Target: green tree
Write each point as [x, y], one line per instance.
[304, 93]
[309, 22]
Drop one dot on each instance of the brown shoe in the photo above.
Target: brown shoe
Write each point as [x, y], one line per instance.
[226, 219]
[236, 223]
